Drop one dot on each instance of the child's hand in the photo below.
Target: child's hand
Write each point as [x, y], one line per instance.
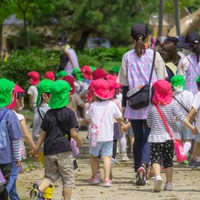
[194, 130]
[78, 143]
[125, 127]
[18, 162]
[34, 153]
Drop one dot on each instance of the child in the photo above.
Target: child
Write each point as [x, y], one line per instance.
[58, 127]
[184, 99]
[17, 105]
[43, 99]
[50, 75]
[102, 113]
[195, 161]
[10, 134]
[32, 91]
[161, 143]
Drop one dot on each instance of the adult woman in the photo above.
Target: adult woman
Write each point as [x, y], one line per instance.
[188, 65]
[135, 71]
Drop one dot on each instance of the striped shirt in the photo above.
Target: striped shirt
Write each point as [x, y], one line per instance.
[158, 131]
[190, 69]
[135, 71]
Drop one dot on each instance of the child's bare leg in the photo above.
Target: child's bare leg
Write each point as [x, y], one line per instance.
[169, 174]
[156, 168]
[67, 191]
[94, 161]
[107, 166]
[43, 185]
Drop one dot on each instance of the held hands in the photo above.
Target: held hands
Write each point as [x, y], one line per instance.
[34, 153]
[78, 143]
[194, 130]
[18, 162]
[125, 127]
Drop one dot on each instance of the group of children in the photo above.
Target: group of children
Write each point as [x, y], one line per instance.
[94, 95]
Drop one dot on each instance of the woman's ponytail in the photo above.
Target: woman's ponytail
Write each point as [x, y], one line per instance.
[140, 46]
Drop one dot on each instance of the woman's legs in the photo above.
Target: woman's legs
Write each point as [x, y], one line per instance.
[141, 148]
[94, 161]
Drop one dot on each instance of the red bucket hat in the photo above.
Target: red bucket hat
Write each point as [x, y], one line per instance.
[162, 92]
[50, 75]
[34, 77]
[98, 73]
[17, 89]
[101, 89]
[70, 80]
[86, 72]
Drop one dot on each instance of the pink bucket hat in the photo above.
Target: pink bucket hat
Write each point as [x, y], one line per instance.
[50, 75]
[98, 73]
[70, 80]
[162, 92]
[17, 89]
[86, 72]
[34, 77]
[101, 89]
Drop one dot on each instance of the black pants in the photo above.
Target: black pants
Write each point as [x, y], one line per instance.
[6, 170]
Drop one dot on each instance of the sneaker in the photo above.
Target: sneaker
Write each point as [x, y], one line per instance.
[141, 176]
[168, 186]
[157, 183]
[35, 193]
[192, 164]
[197, 165]
[107, 183]
[114, 161]
[125, 157]
[94, 181]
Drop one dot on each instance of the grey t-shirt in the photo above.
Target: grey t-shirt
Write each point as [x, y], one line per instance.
[38, 119]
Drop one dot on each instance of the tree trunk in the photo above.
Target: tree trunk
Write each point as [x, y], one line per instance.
[1, 36]
[81, 43]
[25, 31]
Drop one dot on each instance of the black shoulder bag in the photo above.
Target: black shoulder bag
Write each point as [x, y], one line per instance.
[140, 97]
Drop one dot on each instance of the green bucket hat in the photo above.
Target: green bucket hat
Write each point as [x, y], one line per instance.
[178, 82]
[198, 79]
[61, 74]
[6, 88]
[42, 87]
[115, 69]
[60, 94]
[77, 73]
[92, 68]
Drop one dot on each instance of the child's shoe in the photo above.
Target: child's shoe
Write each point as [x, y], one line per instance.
[94, 180]
[99, 174]
[141, 176]
[107, 183]
[125, 157]
[157, 183]
[168, 186]
[35, 193]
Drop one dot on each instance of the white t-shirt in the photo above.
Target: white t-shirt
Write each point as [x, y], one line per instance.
[104, 121]
[196, 102]
[33, 91]
[185, 98]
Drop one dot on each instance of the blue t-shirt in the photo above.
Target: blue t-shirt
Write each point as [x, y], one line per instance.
[14, 133]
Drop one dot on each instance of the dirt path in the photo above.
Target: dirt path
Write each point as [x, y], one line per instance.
[186, 183]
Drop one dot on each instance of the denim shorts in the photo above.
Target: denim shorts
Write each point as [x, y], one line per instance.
[185, 132]
[102, 148]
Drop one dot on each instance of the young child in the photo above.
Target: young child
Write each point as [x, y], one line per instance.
[17, 105]
[10, 134]
[58, 127]
[195, 161]
[184, 99]
[34, 79]
[101, 113]
[43, 99]
[161, 143]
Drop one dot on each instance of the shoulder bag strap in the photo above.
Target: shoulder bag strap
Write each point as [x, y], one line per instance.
[154, 56]
[181, 104]
[103, 114]
[4, 114]
[40, 113]
[193, 66]
[164, 121]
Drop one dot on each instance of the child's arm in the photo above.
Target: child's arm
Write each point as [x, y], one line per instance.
[26, 134]
[16, 151]
[76, 137]
[192, 114]
[192, 128]
[120, 120]
[126, 127]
